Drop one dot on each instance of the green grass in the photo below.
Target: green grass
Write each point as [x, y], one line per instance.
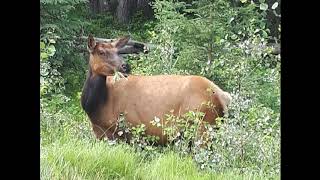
[69, 150]
[83, 159]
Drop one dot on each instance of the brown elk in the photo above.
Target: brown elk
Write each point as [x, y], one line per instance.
[141, 98]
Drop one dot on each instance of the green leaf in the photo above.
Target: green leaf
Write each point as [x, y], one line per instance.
[275, 5]
[41, 80]
[231, 19]
[243, 1]
[257, 30]
[43, 56]
[52, 50]
[43, 90]
[42, 45]
[264, 34]
[52, 41]
[217, 39]
[262, 25]
[263, 6]
[79, 94]
[233, 37]
[261, 1]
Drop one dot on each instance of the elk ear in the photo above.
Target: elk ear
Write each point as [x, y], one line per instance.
[91, 43]
[121, 42]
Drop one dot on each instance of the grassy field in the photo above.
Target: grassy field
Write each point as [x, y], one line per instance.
[69, 150]
[79, 159]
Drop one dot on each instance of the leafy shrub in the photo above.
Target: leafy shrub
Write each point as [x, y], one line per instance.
[229, 46]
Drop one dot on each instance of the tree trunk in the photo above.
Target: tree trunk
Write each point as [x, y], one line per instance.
[94, 6]
[127, 8]
[103, 5]
[144, 6]
[123, 11]
[99, 6]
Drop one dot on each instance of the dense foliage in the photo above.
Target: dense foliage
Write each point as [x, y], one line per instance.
[228, 44]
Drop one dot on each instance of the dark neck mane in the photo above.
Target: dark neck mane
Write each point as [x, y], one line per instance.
[94, 94]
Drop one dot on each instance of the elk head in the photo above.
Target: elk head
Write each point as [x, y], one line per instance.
[104, 57]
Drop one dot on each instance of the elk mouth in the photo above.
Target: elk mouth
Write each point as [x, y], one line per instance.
[125, 69]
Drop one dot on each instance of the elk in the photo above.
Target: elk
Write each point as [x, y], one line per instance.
[141, 98]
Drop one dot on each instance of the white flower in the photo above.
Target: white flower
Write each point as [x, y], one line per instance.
[112, 142]
[177, 143]
[156, 119]
[197, 143]
[120, 133]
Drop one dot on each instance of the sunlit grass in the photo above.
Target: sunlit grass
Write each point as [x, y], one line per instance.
[83, 159]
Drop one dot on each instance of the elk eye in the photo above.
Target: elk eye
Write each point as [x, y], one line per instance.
[101, 53]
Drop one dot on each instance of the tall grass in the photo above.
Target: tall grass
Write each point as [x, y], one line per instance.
[69, 150]
[87, 160]
[83, 159]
